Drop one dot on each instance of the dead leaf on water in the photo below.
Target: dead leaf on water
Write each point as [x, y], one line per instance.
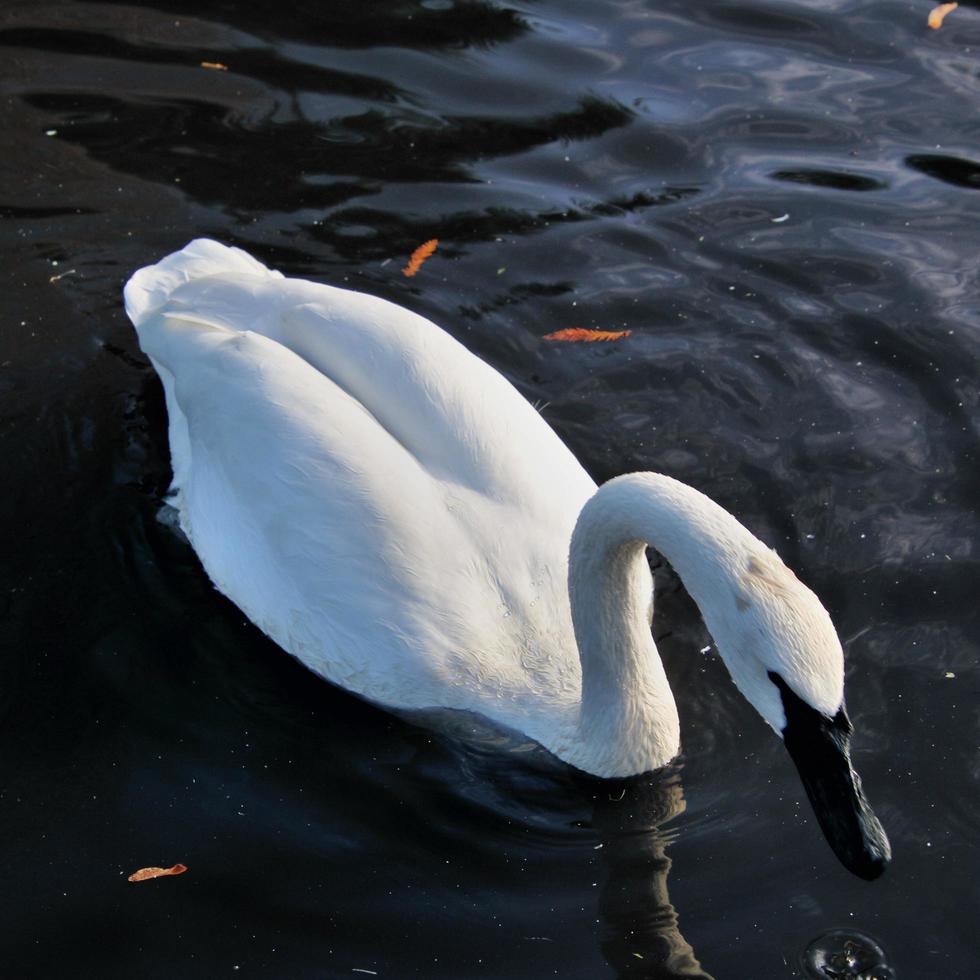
[419, 256]
[938, 14]
[144, 874]
[578, 334]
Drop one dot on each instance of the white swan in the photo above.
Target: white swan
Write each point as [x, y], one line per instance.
[390, 510]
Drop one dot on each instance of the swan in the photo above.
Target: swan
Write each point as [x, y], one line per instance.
[389, 510]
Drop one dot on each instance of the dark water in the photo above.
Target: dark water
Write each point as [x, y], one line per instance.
[583, 164]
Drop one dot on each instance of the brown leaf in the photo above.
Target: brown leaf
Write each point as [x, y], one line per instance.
[574, 334]
[419, 256]
[938, 14]
[146, 873]
[215, 65]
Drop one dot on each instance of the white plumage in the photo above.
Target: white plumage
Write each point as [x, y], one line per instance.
[390, 510]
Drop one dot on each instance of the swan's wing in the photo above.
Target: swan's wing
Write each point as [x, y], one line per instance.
[319, 525]
[361, 544]
[458, 416]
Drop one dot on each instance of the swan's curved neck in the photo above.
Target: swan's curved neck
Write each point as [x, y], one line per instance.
[628, 721]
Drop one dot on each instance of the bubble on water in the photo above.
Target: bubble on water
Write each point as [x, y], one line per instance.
[843, 954]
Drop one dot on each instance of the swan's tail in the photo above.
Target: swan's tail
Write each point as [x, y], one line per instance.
[150, 287]
[149, 291]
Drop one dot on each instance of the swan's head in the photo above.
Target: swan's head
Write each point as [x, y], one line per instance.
[783, 653]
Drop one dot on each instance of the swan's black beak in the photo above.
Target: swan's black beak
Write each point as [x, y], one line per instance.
[820, 747]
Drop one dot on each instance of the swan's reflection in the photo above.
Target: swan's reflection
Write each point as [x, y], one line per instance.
[641, 934]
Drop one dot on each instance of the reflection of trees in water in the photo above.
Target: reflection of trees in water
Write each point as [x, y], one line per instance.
[220, 158]
[365, 24]
[260, 64]
[223, 146]
[642, 938]
[281, 135]
[468, 226]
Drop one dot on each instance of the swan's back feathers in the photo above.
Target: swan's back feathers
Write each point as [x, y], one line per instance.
[423, 387]
[338, 474]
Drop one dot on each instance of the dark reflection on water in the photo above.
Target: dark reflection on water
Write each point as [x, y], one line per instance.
[778, 201]
[180, 140]
[262, 65]
[952, 170]
[829, 178]
[369, 23]
[641, 936]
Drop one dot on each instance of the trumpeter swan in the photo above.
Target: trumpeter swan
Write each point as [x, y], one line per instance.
[389, 509]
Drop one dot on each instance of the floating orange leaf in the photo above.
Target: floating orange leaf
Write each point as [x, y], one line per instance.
[578, 334]
[215, 65]
[146, 873]
[419, 256]
[938, 14]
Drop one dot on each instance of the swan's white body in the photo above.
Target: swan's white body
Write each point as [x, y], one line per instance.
[392, 512]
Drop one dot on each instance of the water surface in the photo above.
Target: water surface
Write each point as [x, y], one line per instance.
[779, 200]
